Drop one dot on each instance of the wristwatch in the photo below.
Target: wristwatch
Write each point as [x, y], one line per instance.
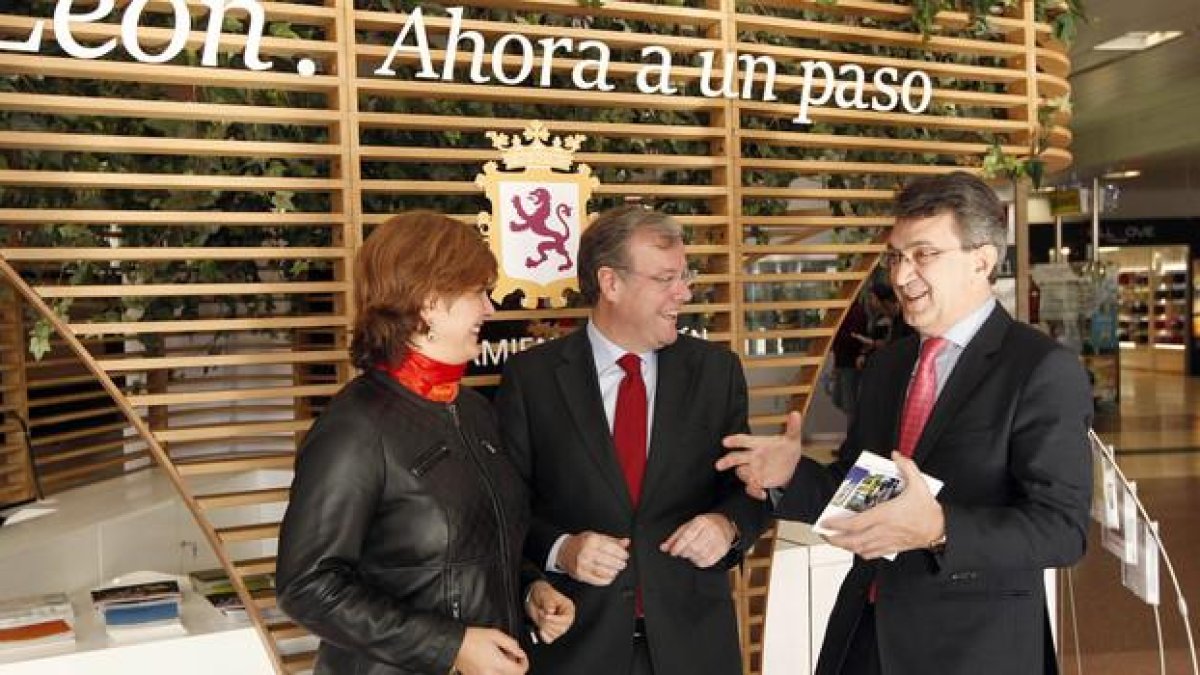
[938, 546]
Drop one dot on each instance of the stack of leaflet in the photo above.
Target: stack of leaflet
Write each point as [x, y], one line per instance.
[139, 605]
[36, 621]
[216, 587]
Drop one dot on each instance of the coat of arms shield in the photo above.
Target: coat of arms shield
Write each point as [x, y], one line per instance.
[539, 211]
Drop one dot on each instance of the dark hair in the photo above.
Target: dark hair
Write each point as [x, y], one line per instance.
[883, 292]
[605, 243]
[408, 259]
[978, 215]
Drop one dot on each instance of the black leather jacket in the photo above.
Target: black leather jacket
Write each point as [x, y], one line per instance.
[404, 527]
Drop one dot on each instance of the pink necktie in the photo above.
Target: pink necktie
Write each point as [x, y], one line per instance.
[629, 425]
[921, 396]
[917, 407]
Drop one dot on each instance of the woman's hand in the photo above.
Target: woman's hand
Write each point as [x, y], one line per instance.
[487, 651]
[551, 611]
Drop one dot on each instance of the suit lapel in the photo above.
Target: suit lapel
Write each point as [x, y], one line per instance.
[669, 402]
[972, 367]
[580, 389]
[909, 349]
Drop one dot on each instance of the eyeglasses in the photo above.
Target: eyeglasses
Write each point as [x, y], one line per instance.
[665, 281]
[919, 256]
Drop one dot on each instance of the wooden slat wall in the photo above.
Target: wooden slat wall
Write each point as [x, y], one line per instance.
[17, 481]
[214, 216]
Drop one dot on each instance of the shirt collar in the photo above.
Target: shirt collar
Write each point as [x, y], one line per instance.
[605, 352]
[961, 333]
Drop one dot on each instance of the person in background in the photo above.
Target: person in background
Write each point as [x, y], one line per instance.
[848, 348]
[401, 545]
[617, 427]
[887, 324]
[995, 409]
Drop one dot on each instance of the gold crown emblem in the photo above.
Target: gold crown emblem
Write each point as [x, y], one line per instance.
[538, 153]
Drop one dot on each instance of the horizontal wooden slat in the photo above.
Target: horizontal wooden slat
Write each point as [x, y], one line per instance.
[371, 120]
[232, 395]
[166, 217]
[171, 253]
[470, 156]
[202, 147]
[786, 333]
[859, 34]
[55, 420]
[163, 362]
[206, 325]
[286, 631]
[800, 277]
[78, 451]
[41, 440]
[53, 104]
[163, 181]
[254, 566]
[783, 390]
[782, 361]
[299, 662]
[235, 464]
[392, 22]
[246, 430]
[833, 303]
[224, 500]
[153, 40]
[254, 532]
[512, 94]
[822, 141]
[158, 73]
[160, 290]
[639, 11]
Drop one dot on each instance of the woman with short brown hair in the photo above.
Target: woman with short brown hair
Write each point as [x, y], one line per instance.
[401, 546]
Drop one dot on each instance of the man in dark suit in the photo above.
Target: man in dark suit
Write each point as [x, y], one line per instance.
[617, 427]
[996, 410]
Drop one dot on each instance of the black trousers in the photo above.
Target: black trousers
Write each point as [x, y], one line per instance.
[862, 658]
[642, 665]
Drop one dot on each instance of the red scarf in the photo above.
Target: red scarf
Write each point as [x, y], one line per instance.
[427, 378]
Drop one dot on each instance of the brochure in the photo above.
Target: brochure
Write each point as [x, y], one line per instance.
[872, 480]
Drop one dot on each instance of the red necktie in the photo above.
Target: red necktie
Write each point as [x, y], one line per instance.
[629, 425]
[921, 396]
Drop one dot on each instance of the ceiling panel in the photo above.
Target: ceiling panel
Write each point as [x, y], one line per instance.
[1136, 108]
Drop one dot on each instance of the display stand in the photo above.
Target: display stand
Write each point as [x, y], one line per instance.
[104, 530]
[1129, 533]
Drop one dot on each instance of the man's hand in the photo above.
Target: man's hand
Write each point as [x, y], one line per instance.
[593, 558]
[766, 461]
[910, 521]
[703, 540]
[551, 611]
[487, 651]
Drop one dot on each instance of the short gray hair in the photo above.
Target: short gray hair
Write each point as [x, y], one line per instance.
[978, 214]
[605, 243]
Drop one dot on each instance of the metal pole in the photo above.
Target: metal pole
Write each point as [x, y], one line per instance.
[1096, 202]
[1058, 239]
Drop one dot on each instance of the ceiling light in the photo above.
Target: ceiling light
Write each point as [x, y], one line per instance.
[1118, 175]
[1137, 40]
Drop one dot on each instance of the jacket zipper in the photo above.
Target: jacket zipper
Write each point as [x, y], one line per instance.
[497, 510]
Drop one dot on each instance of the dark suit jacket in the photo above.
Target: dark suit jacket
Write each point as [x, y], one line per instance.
[553, 420]
[1008, 436]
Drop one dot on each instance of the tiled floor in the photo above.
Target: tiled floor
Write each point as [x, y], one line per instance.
[1157, 437]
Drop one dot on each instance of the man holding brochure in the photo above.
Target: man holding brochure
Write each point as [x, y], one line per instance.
[994, 409]
[617, 428]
